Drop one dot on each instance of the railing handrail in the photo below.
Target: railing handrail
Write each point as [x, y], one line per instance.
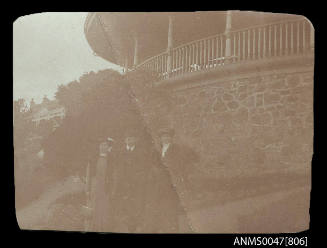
[151, 58]
[297, 19]
[269, 40]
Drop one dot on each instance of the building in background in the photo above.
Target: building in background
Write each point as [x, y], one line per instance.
[47, 111]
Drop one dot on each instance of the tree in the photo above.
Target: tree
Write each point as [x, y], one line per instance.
[97, 106]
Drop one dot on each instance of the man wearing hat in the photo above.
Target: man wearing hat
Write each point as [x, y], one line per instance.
[130, 183]
[182, 162]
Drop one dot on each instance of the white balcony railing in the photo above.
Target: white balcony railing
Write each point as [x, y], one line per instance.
[286, 38]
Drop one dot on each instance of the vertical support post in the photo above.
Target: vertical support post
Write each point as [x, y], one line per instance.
[249, 44]
[254, 48]
[269, 41]
[243, 45]
[292, 40]
[170, 45]
[227, 34]
[275, 40]
[303, 35]
[234, 45]
[239, 46]
[264, 43]
[286, 39]
[259, 43]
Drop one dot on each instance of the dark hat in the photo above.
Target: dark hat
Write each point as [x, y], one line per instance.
[166, 131]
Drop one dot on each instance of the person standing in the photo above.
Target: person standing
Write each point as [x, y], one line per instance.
[129, 185]
[99, 194]
[180, 159]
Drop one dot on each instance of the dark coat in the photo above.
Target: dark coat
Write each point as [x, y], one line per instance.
[144, 197]
[194, 187]
[182, 161]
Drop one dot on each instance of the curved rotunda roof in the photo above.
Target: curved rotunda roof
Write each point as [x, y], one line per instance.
[111, 34]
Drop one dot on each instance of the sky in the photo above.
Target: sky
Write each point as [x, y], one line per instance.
[50, 49]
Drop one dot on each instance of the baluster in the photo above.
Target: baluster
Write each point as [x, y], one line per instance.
[298, 38]
[275, 40]
[213, 51]
[187, 59]
[259, 40]
[234, 46]
[254, 49]
[269, 41]
[286, 38]
[165, 63]
[217, 50]
[209, 52]
[249, 45]
[180, 61]
[280, 40]
[161, 64]
[183, 59]
[173, 61]
[177, 61]
[264, 43]
[238, 46]
[190, 57]
[193, 55]
[156, 64]
[196, 56]
[292, 45]
[303, 36]
[243, 45]
[201, 47]
[205, 54]
[259, 43]
[221, 50]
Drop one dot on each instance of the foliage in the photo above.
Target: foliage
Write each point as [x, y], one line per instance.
[97, 107]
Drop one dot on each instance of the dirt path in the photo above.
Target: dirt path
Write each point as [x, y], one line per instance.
[225, 218]
[34, 215]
